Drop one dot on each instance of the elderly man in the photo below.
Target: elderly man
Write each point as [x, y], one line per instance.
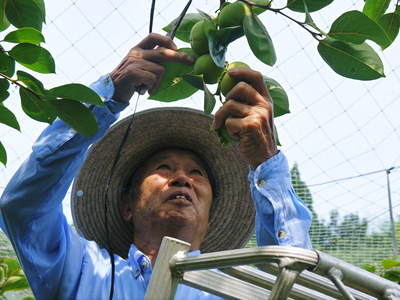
[170, 178]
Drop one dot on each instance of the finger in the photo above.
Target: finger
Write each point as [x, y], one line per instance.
[230, 108]
[157, 83]
[161, 55]
[152, 67]
[252, 77]
[250, 127]
[142, 79]
[234, 127]
[155, 39]
[157, 69]
[244, 92]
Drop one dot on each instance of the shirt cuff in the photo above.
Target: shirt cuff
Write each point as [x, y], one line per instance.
[274, 170]
[104, 87]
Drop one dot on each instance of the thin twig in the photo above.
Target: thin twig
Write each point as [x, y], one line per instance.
[152, 9]
[172, 32]
[21, 85]
[279, 11]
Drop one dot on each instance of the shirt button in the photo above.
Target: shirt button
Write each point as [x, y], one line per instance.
[281, 234]
[261, 183]
[144, 265]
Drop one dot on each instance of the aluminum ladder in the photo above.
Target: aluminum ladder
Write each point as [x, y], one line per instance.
[282, 272]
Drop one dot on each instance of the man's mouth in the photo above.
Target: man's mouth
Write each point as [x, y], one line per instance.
[180, 196]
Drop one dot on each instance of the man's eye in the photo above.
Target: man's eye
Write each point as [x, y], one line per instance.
[163, 166]
[196, 171]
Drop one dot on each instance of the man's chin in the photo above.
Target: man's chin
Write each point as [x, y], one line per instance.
[180, 217]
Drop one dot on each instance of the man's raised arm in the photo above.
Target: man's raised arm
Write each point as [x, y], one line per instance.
[31, 209]
[282, 218]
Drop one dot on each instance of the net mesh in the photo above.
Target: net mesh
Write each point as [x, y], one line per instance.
[338, 128]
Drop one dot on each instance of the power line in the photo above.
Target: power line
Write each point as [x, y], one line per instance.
[356, 176]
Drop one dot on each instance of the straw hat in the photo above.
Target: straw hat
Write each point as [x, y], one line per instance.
[232, 212]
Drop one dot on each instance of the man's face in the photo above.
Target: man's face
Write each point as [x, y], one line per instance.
[174, 191]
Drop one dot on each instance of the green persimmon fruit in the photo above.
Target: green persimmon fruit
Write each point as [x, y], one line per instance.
[227, 82]
[206, 66]
[199, 37]
[225, 138]
[232, 14]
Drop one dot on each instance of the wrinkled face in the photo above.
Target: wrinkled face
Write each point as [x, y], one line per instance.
[174, 190]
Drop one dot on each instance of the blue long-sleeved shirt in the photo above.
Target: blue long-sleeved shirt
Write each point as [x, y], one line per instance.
[60, 264]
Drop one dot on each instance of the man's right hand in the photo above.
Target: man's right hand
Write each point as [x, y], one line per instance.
[141, 69]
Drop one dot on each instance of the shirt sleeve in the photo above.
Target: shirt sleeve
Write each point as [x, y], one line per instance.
[282, 218]
[31, 208]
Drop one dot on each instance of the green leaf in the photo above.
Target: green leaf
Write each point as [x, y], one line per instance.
[173, 87]
[369, 268]
[24, 13]
[309, 20]
[195, 80]
[259, 40]
[13, 266]
[390, 263]
[3, 154]
[4, 85]
[205, 15]
[2, 274]
[259, 10]
[31, 82]
[15, 283]
[217, 48]
[33, 57]
[28, 298]
[209, 100]
[7, 64]
[3, 19]
[185, 27]
[351, 60]
[77, 115]
[277, 141]
[392, 275]
[355, 27]
[25, 35]
[375, 8]
[227, 35]
[36, 108]
[218, 41]
[42, 8]
[78, 92]
[391, 24]
[312, 5]
[8, 118]
[279, 97]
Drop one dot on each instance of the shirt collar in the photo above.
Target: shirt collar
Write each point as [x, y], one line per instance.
[138, 261]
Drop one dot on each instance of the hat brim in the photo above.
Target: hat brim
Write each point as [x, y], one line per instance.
[97, 215]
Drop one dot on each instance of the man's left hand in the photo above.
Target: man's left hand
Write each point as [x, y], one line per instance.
[248, 115]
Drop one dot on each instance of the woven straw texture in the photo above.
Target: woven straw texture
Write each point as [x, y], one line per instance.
[232, 212]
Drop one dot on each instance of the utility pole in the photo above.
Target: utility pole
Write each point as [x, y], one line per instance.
[393, 227]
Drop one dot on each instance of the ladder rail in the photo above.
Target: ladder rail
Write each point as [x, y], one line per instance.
[309, 280]
[288, 263]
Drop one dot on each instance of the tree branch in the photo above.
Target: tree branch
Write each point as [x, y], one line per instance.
[315, 35]
[20, 84]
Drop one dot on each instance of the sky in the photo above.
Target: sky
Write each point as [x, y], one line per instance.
[337, 128]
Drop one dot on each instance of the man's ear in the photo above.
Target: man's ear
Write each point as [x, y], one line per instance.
[125, 208]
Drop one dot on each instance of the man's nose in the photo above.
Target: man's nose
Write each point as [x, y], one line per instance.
[181, 179]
